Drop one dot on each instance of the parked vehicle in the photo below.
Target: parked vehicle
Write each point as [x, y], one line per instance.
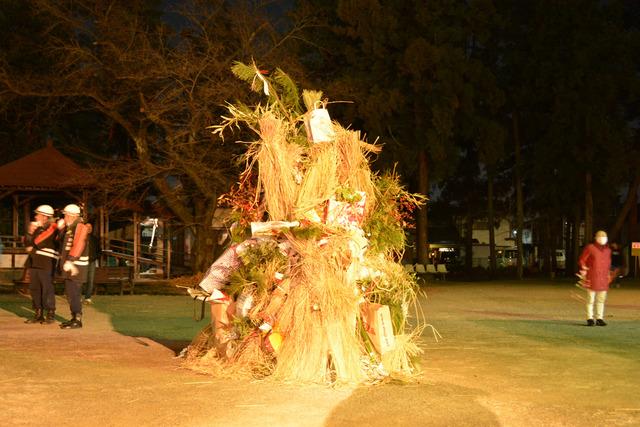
[507, 257]
[561, 260]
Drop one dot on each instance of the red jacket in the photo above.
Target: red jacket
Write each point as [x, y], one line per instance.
[597, 259]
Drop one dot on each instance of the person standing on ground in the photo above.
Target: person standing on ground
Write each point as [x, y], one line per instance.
[595, 265]
[94, 253]
[617, 263]
[74, 261]
[42, 237]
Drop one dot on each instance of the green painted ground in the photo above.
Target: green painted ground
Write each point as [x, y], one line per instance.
[160, 318]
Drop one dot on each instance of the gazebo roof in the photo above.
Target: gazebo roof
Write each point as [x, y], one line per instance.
[44, 169]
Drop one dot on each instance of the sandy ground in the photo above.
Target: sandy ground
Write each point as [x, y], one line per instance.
[512, 355]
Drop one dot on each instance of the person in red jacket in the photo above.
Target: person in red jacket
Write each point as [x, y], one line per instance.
[595, 267]
[43, 241]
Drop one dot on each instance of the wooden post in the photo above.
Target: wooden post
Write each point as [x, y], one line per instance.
[168, 248]
[107, 240]
[26, 216]
[101, 233]
[160, 247]
[15, 222]
[136, 243]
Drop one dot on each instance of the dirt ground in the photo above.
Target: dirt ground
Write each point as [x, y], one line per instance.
[510, 354]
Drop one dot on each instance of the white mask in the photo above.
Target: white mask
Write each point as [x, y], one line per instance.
[602, 240]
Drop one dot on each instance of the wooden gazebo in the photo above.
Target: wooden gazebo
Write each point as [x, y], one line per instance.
[48, 176]
[44, 176]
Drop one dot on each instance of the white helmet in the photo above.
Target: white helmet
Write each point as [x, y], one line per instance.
[45, 210]
[71, 210]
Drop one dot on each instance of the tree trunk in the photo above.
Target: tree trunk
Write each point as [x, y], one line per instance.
[206, 236]
[553, 233]
[551, 253]
[566, 244]
[468, 243]
[544, 250]
[205, 247]
[519, 198]
[633, 234]
[492, 229]
[422, 235]
[570, 254]
[588, 209]
[576, 244]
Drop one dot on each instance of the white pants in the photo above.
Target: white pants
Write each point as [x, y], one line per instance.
[597, 299]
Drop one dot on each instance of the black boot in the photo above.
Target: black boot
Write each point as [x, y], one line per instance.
[74, 323]
[37, 317]
[51, 317]
[67, 322]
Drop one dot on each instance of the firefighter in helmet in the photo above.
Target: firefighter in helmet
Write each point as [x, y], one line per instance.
[74, 261]
[42, 238]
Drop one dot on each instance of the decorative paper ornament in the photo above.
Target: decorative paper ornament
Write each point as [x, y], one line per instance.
[377, 321]
[218, 274]
[318, 124]
[265, 327]
[273, 342]
[243, 305]
[271, 228]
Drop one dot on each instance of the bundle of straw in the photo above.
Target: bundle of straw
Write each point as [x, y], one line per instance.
[399, 361]
[353, 166]
[277, 160]
[319, 322]
[252, 360]
[320, 180]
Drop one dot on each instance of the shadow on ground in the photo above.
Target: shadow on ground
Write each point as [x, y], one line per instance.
[17, 304]
[20, 305]
[167, 320]
[412, 405]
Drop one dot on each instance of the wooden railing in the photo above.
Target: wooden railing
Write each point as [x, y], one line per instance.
[145, 260]
[115, 252]
[13, 254]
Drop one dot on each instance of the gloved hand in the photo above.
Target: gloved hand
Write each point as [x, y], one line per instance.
[70, 268]
[32, 226]
[61, 224]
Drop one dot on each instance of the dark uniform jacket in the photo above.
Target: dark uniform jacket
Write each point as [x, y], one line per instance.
[74, 248]
[44, 243]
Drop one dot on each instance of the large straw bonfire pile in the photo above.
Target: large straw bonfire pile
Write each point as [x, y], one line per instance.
[310, 289]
